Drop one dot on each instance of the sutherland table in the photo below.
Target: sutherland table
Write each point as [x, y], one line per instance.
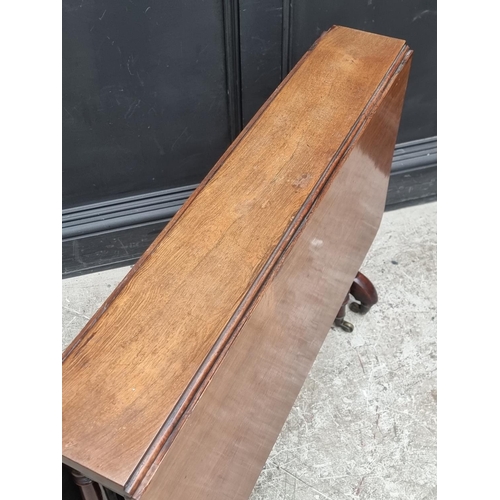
[179, 385]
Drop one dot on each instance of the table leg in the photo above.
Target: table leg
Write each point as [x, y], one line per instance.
[89, 489]
[340, 321]
[364, 292]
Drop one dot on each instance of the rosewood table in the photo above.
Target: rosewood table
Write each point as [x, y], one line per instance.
[179, 385]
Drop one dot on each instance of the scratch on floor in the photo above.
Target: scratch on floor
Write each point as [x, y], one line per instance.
[76, 312]
[302, 481]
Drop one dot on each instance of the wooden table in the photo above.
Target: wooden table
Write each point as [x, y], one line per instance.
[179, 385]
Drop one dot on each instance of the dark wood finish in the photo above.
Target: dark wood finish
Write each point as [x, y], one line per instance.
[340, 319]
[179, 385]
[342, 310]
[363, 290]
[234, 424]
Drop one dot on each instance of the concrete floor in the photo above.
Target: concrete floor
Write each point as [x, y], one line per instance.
[364, 424]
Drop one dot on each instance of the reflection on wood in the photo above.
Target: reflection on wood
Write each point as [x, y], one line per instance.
[179, 385]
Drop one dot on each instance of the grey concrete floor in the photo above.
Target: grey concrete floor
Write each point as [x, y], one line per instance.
[364, 424]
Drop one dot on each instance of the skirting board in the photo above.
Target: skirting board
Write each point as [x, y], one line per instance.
[116, 233]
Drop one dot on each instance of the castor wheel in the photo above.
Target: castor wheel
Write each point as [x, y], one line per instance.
[358, 308]
[354, 307]
[345, 325]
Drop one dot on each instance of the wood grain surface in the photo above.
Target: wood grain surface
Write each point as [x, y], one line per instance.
[220, 450]
[136, 368]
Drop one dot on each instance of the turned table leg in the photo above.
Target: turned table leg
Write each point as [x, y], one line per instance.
[363, 291]
[340, 321]
[89, 489]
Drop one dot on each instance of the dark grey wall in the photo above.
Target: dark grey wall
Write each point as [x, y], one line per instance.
[410, 20]
[144, 95]
[154, 91]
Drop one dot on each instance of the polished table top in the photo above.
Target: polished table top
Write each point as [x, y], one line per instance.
[133, 371]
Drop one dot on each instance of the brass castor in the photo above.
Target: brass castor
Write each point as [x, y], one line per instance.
[358, 308]
[345, 325]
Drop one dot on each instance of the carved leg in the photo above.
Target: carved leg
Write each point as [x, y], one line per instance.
[89, 489]
[364, 292]
[340, 321]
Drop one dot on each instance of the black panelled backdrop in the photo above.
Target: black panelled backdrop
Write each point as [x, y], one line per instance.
[154, 91]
